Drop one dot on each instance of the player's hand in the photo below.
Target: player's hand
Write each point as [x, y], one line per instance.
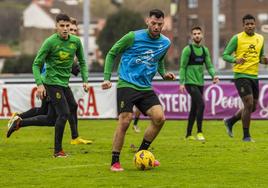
[264, 60]
[215, 80]
[169, 76]
[240, 61]
[182, 88]
[86, 87]
[41, 92]
[106, 84]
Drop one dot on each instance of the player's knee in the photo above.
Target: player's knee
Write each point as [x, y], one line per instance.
[73, 107]
[64, 116]
[249, 105]
[202, 104]
[124, 126]
[124, 121]
[254, 108]
[51, 121]
[159, 120]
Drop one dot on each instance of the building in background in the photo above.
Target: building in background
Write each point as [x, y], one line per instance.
[39, 23]
[5, 53]
[199, 12]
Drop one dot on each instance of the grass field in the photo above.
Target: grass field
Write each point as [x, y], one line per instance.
[26, 158]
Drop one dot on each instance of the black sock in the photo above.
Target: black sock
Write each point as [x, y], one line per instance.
[115, 157]
[233, 120]
[188, 134]
[144, 145]
[136, 121]
[199, 128]
[246, 132]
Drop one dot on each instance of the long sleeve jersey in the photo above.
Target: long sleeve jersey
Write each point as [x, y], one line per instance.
[58, 55]
[191, 73]
[248, 47]
[142, 57]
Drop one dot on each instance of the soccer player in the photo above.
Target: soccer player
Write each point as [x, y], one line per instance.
[247, 48]
[137, 114]
[194, 57]
[45, 115]
[58, 52]
[143, 54]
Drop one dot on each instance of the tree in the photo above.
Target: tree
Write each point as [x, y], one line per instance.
[117, 25]
[21, 64]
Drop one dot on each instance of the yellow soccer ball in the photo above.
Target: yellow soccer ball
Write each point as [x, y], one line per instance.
[144, 160]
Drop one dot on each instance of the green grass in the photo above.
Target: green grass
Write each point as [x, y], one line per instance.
[26, 158]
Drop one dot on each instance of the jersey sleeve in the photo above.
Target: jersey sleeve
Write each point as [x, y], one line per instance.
[120, 46]
[209, 65]
[183, 63]
[39, 61]
[82, 62]
[161, 66]
[230, 49]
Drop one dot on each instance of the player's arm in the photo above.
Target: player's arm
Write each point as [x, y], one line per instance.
[229, 50]
[82, 62]
[39, 61]
[263, 58]
[161, 66]
[208, 63]
[162, 71]
[183, 64]
[120, 46]
[75, 67]
[37, 66]
[210, 67]
[185, 56]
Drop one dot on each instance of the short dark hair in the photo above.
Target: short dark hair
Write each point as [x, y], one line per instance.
[157, 13]
[196, 28]
[248, 17]
[73, 21]
[62, 17]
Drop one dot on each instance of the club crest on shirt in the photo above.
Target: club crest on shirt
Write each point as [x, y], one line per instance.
[58, 95]
[242, 90]
[64, 55]
[72, 46]
[122, 104]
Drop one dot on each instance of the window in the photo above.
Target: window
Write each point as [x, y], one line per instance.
[192, 3]
[221, 20]
[263, 17]
[192, 20]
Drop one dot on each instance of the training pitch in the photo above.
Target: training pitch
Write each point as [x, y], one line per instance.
[26, 157]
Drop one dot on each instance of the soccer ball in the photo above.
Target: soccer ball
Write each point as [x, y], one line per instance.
[144, 160]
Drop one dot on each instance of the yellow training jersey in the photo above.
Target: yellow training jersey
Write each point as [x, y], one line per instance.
[249, 48]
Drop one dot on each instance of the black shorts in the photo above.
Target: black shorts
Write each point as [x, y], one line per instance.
[247, 86]
[128, 97]
[58, 98]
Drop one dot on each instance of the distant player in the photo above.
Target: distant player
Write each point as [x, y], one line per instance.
[137, 114]
[46, 115]
[143, 53]
[194, 58]
[247, 48]
[58, 52]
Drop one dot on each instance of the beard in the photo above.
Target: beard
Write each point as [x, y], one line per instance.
[197, 41]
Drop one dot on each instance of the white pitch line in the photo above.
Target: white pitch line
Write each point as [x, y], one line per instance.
[76, 166]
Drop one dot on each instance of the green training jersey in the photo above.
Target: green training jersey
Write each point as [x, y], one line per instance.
[194, 74]
[58, 54]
